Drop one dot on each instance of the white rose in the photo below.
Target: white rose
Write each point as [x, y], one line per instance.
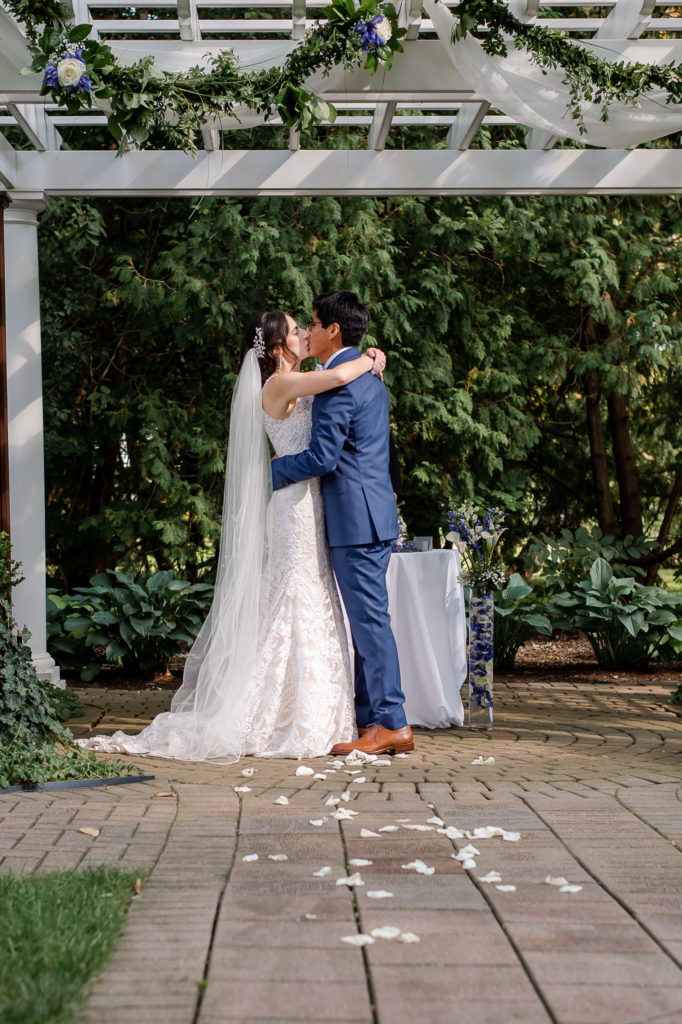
[70, 71]
[383, 28]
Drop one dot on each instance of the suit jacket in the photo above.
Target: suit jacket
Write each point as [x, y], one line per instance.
[349, 451]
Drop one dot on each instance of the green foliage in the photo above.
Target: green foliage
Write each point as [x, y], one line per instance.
[28, 717]
[138, 626]
[478, 303]
[563, 561]
[58, 930]
[10, 571]
[627, 623]
[518, 614]
[49, 762]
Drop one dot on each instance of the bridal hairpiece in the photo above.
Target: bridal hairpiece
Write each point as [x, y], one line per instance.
[258, 343]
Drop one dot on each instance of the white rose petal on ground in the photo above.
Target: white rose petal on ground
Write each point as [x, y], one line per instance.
[248, 772]
[250, 857]
[451, 832]
[492, 876]
[467, 852]
[381, 762]
[359, 862]
[419, 866]
[358, 940]
[345, 796]
[551, 880]
[469, 864]
[310, 917]
[332, 801]
[510, 837]
[316, 822]
[506, 888]
[571, 888]
[335, 764]
[354, 771]
[435, 821]
[401, 821]
[344, 814]
[303, 769]
[365, 833]
[387, 931]
[389, 828]
[408, 937]
[420, 828]
[402, 755]
[484, 760]
[283, 800]
[361, 779]
[320, 775]
[277, 856]
[351, 880]
[88, 830]
[323, 872]
[379, 894]
[242, 789]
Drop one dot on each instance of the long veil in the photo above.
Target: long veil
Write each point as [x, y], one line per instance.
[204, 723]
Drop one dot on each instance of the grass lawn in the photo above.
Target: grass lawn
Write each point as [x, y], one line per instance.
[57, 931]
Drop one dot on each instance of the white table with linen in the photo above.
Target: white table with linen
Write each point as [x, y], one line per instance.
[426, 604]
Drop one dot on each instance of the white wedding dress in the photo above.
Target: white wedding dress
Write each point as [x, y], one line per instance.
[298, 698]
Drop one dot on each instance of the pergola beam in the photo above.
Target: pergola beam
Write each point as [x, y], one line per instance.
[340, 172]
[188, 20]
[469, 119]
[381, 125]
[36, 125]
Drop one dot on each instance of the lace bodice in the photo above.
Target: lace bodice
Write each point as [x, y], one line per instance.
[292, 435]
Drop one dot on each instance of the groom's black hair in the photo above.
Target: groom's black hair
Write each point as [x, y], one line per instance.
[346, 310]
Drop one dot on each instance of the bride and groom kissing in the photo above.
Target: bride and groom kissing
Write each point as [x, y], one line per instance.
[269, 674]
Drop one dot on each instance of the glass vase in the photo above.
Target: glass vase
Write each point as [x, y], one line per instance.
[481, 612]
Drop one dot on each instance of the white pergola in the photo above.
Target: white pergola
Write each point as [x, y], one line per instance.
[423, 89]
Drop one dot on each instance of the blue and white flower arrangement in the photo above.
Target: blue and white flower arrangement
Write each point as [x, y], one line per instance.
[402, 543]
[375, 33]
[475, 533]
[68, 71]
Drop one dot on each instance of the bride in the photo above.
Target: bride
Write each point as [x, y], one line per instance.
[269, 673]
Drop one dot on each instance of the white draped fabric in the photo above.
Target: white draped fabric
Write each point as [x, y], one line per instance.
[426, 604]
[520, 89]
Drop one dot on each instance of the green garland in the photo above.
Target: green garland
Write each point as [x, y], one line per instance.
[589, 78]
[168, 110]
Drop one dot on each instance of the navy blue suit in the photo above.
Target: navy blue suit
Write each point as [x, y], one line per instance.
[349, 451]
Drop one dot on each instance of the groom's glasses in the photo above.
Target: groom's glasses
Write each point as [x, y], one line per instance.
[314, 323]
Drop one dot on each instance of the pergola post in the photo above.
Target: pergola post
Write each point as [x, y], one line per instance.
[25, 421]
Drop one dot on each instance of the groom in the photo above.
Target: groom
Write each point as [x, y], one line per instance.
[349, 450]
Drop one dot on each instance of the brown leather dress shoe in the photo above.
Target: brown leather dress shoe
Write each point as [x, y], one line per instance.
[378, 740]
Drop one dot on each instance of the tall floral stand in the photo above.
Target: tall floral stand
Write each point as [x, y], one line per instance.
[481, 613]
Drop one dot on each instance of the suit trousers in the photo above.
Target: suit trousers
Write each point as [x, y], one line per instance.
[361, 574]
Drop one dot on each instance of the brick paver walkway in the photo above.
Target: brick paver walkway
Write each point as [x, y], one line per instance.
[590, 775]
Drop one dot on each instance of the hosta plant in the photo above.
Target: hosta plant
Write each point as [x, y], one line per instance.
[518, 614]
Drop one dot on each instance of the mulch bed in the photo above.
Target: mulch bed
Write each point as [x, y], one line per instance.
[567, 656]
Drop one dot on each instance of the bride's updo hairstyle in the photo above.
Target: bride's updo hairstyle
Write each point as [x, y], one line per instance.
[265, 333]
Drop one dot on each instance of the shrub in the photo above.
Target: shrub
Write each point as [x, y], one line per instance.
[517, 616]
[138, 626]
[561, 563]
[627, 623]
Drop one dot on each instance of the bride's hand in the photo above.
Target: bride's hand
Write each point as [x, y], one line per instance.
[379, 358]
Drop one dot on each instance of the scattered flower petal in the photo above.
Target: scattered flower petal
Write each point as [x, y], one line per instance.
[332, 801]
[379, 894]
[365, 833]
[303, 769]
[401, 821]
[435, 821]
[570, 888]
[419, 866]
[87, 830]
[250, 857]
[388, 931]
[345, 795]
[551, 880]
[484, 760]
[389, 828]
[283, 800]
[277, 856]
[420, 828]
[466, 852]
[506, 888]
[361, 779]
[358, 940]
[248, 772]
[492, 876]
[469, 864]
[402, 755]
[166, 794]
[242, 789]
[350, 880]
[359, 862]
[335, 764]
[409, 937]
[310, 917]
[451, 832]
[320, 775]
[323, 872]
[354, 771]
[343, 814]
[317, 821]
[381, 761]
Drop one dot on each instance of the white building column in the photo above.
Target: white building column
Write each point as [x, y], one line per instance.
[25, 414]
